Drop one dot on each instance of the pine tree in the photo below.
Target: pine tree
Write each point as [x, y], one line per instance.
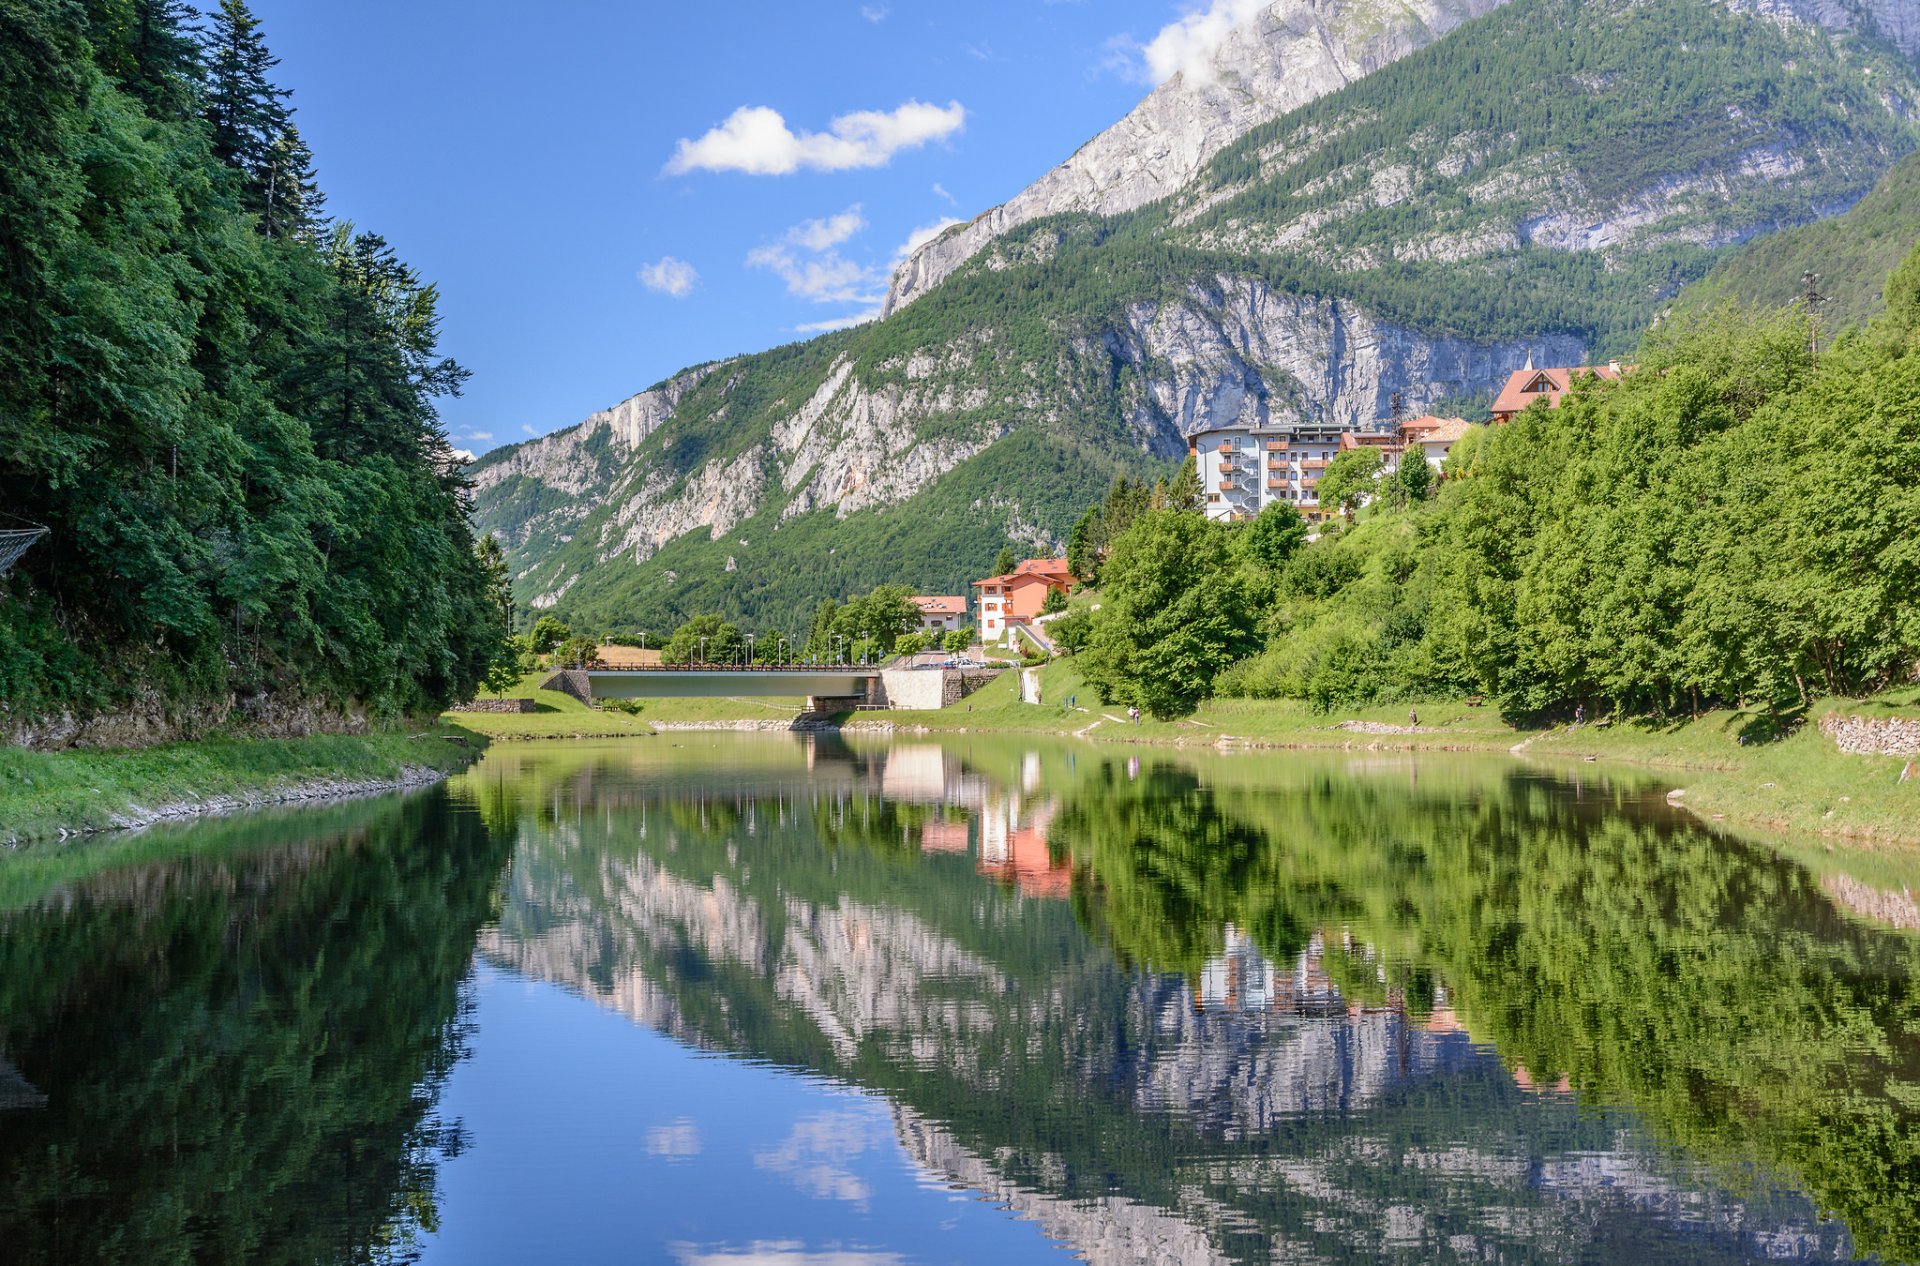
[1004, 562]
[293, 204]
[248, 114]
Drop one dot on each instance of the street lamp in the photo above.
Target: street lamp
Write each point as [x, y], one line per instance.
[749, 650]
[703, 652]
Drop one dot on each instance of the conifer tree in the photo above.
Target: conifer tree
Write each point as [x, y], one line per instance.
[249, 115]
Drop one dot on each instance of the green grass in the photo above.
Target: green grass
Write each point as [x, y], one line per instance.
[44, 793]
[562, 716]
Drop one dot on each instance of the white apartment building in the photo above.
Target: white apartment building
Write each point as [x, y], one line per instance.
[1244, 469]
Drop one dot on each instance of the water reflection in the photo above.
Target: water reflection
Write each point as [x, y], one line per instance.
[1261, 1009]
[1156, 1007]
[233, 1056]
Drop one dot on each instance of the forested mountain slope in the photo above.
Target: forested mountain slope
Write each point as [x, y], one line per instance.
[1851, 255]
[1540, 182]
[220, 403]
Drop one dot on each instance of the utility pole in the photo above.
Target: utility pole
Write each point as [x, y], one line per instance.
[1811, 296]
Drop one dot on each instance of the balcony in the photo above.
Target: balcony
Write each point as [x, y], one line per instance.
[1276, 446]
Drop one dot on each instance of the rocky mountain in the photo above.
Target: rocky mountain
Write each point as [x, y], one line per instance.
[1290, 53]
[1850, 254]
[1353, 202]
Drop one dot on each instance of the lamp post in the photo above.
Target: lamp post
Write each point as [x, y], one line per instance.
[749, 650]
[703, 652]
[781, 656]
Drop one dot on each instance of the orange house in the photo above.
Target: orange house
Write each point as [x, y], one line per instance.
[1019, 596]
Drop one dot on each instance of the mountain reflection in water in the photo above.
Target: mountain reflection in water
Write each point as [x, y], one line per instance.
[1261, 1008]
[1156, 1007]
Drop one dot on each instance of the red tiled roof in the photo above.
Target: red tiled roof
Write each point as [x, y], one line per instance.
[1524, 386]
[1444, 431]
[956, 605]
[1051, 570]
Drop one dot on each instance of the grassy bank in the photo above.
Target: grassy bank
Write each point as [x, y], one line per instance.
[1720, 762]
[562, 716]
[1723, 765]
[44, 793]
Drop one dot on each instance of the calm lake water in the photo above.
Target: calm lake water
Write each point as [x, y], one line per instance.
[729, 1000]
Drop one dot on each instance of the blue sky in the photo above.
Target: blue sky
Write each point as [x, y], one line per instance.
[607, 193]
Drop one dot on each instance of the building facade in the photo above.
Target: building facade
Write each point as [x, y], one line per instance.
[1019, 596]
[940, 614]
[1245, 469]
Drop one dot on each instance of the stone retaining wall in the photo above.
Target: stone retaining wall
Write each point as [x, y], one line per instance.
[929, 689]
[1873, 736]
[496, 705]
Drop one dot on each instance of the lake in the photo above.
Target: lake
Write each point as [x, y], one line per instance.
[799, 1001]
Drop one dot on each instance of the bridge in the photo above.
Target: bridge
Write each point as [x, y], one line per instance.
[836, 682]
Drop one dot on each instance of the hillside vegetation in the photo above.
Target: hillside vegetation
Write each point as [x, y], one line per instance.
[1728, 526]
[220, 402]
[1541, 181]
[1851, 254]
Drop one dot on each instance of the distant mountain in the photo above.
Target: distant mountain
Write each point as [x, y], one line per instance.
[1541, 181]
[1852, 253]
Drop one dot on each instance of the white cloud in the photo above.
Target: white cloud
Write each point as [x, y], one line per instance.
[530, 428]
[782, 1253]
[818, 235]
[670, 276]
[940, 191]
[676, 1142]
[1187, 46]
[924, 234]
[875, 12]
[827, 278]
[483, 437]
[757, 140]
[840, 322]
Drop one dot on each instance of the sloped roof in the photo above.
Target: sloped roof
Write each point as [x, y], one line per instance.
[1524, 386]
[936, 605]
[1444, 431]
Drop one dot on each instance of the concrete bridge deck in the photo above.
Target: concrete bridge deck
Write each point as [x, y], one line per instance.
[838, 681]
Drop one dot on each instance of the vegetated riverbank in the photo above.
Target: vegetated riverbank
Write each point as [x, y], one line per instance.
[1800, 783]
[49, 794]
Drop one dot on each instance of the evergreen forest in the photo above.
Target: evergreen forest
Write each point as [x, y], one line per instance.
[219, 400]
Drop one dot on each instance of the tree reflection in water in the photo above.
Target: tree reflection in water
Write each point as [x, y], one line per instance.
[1264, 1008]
[240, 1050]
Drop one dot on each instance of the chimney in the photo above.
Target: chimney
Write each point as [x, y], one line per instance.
[1614, 366]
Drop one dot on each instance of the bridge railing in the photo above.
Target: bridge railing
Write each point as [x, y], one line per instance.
[601, 666]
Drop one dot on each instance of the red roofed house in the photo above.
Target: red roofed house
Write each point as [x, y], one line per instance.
[1435, 437]
[941, 615]
[1524, 386]
[1018, 596]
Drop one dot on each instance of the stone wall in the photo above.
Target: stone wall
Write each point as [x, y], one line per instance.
[1873, 736]
[496, 705]
[929, 690]
[571, 681]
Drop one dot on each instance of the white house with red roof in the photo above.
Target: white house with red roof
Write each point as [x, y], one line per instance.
[1019, 596]
[941, 614]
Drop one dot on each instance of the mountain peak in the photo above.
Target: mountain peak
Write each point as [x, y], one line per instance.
[1289, 53]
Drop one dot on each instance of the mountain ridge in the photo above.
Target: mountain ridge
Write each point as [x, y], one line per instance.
[1534, 184]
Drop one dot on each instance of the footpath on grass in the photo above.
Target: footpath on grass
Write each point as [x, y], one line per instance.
[1720, 765]
[51, 795]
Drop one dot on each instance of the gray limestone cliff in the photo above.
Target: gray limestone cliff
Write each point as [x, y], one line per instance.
[1292, 52]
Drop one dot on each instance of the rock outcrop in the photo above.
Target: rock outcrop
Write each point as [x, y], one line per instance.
[1293, 52]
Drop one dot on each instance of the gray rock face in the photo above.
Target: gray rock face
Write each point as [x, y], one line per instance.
[1293, 52]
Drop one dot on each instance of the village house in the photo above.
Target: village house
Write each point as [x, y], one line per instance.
[940, 614]
[1019, 596]
[1433, 436]
[1526, 385]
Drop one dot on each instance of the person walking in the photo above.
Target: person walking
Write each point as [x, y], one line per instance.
[1579, 714]
[1413, 718]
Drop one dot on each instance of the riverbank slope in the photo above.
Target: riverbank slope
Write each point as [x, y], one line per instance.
[46, 794]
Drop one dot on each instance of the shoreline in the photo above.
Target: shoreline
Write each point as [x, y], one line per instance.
[60, 796]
